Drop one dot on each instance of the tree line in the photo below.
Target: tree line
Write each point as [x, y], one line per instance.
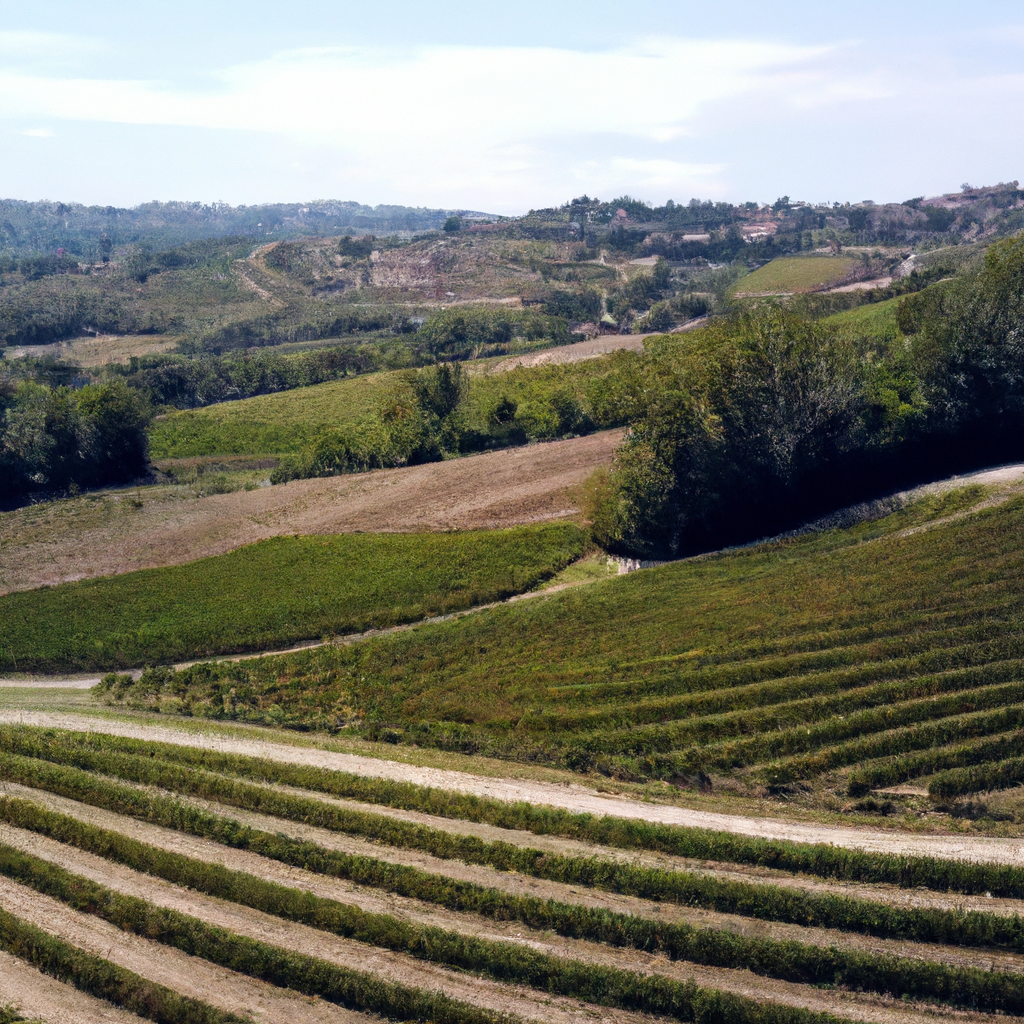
[767, 419]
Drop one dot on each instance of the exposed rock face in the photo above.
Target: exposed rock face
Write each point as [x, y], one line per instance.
[414, 269]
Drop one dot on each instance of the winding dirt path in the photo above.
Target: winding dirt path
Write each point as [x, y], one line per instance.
[572, 797]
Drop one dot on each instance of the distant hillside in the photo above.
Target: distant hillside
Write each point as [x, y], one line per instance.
[43, 227]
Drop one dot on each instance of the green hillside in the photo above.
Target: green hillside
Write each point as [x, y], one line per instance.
[795, 274]
[871, 655]
[875, 322]
[272, 593]
[285, 422]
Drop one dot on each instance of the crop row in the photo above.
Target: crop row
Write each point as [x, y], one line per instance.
[751, 899]
[941, 748]
[101, 978]
[753, 721]
[287, 969]
[791, 961]
[723, 695]
[821, 860]
[797, 738]
[978, 778]
[737, 666]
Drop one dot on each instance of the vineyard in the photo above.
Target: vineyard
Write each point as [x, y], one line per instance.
[817, 669]
[273, 593]
[186, 881]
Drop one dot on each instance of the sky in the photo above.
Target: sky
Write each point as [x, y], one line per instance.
[507, 107]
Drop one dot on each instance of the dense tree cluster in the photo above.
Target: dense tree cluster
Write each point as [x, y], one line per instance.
[56, 439]
[767, 419]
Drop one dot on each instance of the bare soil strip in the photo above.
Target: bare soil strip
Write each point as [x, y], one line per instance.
[40, 997]
[187, 975]
[106, 534]
[408, 970]
[571, 797]
[592, 349]
[395, 967]
[416, 911]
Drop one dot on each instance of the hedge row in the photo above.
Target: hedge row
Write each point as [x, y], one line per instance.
[937, 751]
[101, 978]
[979, 778]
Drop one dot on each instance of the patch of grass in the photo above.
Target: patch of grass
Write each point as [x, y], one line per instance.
[273, 593]
[795, 274]
[873, 322]
[285, 422]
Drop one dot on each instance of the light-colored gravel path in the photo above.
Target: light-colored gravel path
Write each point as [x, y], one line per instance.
[188, 975]
[571, 797]
[40, 997]
[399, 967]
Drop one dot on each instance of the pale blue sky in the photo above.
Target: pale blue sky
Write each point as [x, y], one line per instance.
[504, 107]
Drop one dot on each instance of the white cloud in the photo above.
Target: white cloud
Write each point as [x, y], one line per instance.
[38, 133]
[373, 101]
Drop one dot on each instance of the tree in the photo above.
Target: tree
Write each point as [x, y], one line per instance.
[453, 223]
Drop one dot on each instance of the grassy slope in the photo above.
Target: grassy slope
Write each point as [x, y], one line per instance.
[272, 593]
[284, 422]
[876, 322]
[705, 662]
[795, 274]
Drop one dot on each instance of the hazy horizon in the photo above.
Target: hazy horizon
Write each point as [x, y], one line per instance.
[501, 111]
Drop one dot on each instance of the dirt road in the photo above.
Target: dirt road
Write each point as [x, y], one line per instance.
[571, 797]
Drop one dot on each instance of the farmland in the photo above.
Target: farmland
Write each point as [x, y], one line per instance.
[283, 873]
[273, 593]
[764, 669]
[795, 274]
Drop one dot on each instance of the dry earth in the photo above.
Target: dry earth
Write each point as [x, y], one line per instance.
[40, 997]
[569, 796]
[110, 533]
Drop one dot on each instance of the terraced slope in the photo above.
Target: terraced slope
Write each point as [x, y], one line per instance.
[282, 886]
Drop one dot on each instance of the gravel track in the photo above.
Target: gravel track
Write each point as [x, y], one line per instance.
[572, 797]
[40, 997]
[187, 975]
[481, 992]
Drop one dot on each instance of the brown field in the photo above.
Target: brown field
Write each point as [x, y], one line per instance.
[113, 532]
